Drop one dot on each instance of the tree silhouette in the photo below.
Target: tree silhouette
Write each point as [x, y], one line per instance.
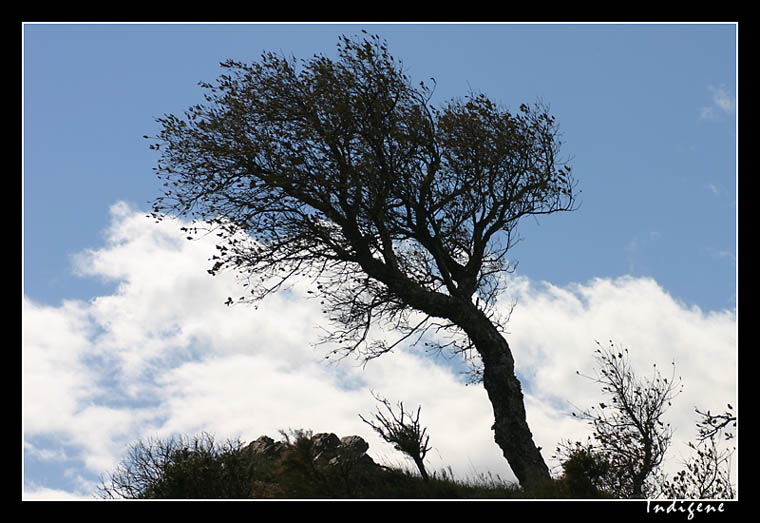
[630, 438]
[624, 455]
[406, 435]
[401, 214]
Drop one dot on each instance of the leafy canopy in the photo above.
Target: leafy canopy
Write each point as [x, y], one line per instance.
[340, 170]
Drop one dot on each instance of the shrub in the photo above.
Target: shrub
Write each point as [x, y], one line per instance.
[181, 468]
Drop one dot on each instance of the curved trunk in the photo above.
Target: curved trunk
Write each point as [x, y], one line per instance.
[510, 427]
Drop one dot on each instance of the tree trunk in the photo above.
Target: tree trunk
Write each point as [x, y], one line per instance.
[510, 427]
[421, 467]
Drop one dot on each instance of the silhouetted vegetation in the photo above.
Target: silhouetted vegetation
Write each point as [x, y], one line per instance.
[406, 435]
[196, 468]
[623, 457]
[706, 474]
[181, 467]
[401, 213]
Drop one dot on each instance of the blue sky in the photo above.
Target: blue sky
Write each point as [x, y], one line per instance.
[648, 114]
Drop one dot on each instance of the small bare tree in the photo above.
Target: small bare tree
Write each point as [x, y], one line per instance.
[629, 436]
[403, 431]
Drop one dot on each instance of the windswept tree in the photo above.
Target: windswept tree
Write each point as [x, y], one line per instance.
[401, 213]
[406, 436]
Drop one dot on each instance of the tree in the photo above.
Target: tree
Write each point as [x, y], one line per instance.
[629, 439]
[405, 435]
[400, 213]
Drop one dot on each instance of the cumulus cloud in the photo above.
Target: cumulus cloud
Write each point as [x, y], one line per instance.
[553, 331]
[162, 355]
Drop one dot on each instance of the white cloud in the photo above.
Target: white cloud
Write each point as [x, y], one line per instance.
[722, 104]
[553, 329]
[163, 355]
[722, 99]
[36, 493]
[44, 454]
[54, 378]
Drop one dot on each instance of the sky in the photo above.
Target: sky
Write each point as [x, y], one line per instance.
[126, 337]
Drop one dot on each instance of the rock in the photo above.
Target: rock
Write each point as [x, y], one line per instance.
[325, 445]
[325, 441]
[265, 446]
[312, 465]
[354, 445]
[353, 449]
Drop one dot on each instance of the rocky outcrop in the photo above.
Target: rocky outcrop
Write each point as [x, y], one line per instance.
[354, 444]
[265, 446]
[312, 465]
[325, 445]
[326, 448]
